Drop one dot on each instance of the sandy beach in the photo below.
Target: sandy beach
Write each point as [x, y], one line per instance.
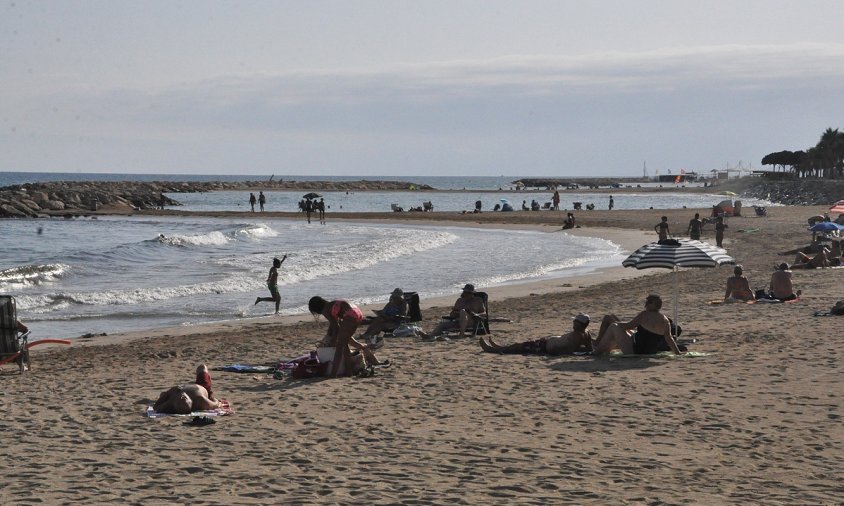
[756, 420]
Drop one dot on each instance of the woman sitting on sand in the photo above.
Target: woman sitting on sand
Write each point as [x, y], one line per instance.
[738, 287]
[648, 333]
[343, 321]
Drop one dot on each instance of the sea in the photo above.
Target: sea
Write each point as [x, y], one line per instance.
[112, 274]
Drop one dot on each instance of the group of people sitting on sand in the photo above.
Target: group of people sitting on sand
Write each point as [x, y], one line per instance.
[780, 288]
[649, 332]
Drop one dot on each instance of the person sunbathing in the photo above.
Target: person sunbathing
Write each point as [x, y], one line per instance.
[781, 287]
[738, 287]
[389, 317]
[804, 261]
[462, 314]
[579, 339]
[184, 399]
[647, 333]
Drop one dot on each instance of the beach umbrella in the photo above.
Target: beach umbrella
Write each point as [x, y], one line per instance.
[312, 195]
[826, 226]
[675, 253]
[837, 207]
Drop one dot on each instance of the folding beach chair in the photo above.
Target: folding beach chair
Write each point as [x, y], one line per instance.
[12, 342]
[480, 321]
[414, 312]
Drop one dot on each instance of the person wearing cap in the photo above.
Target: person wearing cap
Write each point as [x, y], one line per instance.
[389, 317]
[272, 284]
[579, 339]
[649, 332]
[738, 287]
[462, 314]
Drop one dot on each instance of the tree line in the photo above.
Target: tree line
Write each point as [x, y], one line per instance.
[824, 160]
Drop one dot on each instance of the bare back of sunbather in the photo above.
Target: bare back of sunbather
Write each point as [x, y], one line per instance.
[184, 399]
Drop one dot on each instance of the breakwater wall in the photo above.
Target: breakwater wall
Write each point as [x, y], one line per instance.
[63, 197]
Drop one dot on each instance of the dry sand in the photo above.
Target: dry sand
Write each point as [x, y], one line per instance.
[757, 420]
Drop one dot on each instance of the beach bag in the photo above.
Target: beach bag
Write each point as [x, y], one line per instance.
[310, 368]
[325, 353]
[838, 308]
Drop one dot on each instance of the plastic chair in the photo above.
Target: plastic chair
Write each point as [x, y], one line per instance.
[12, 342]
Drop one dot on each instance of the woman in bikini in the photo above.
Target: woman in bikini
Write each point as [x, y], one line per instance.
[343, 321]
[648, 333]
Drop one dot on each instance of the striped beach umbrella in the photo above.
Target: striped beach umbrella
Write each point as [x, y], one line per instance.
[837, 207]
[675, 253]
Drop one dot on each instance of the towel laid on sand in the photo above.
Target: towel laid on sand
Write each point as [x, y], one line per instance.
[223, 410]
[247, 368]
[716, 302]
[662, 354]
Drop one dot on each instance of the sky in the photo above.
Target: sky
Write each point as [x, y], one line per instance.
[469, 88]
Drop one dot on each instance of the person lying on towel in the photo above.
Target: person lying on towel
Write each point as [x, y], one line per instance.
[184, 399]
[579, 339]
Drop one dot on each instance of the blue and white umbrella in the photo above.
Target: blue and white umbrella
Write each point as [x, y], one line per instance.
[675, 253]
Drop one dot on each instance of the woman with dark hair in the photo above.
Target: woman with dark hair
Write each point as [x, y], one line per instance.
[647, 333]
[343, 321]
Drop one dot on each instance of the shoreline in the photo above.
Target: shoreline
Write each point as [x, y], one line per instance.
[628, 240]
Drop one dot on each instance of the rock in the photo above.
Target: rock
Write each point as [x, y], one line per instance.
[54, 205]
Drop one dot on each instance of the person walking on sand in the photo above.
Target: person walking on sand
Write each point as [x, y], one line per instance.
[695, 227]
[252, 201]
[272, 284]
[720, 226]
[661, 228]
[262, 200]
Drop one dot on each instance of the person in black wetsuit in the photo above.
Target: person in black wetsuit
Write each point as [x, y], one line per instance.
[647, 333]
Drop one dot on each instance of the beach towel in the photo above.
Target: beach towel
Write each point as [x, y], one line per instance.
[245, 368]
[716, 302]
[223, 410]
[661, 354]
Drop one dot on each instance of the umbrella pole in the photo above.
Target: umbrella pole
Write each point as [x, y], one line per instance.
[676, 295]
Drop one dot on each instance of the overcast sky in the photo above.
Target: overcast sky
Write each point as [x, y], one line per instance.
[557, 88]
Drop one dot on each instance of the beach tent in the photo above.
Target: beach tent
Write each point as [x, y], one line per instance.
[723, 208]
[675, 253]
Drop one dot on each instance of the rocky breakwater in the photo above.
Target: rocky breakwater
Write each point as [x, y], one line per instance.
[75, 197]
[792, 192]
[38, 199]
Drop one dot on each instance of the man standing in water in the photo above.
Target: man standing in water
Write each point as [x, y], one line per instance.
[261, 200]
[272, 284]
[252, 201]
